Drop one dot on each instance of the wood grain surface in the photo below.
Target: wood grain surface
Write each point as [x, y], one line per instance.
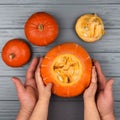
[13, 15]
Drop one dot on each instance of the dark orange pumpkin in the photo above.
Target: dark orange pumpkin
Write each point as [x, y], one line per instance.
[16, 53]
[68, 67]
[41, 29]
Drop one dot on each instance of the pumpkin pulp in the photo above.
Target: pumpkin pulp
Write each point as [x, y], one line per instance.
[90, 27]
[67, 68]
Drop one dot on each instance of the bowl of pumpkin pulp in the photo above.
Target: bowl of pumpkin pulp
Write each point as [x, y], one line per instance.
[68, 67]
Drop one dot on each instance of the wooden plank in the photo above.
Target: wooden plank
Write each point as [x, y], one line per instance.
[72, 111]
[8, 110]
[14, 16]
[110, 39]
[14, 13]
[8, 91]
[58, 2]
[110, 63]
[57, 110]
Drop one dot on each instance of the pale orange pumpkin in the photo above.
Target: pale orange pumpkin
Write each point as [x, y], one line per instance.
[89, 27]
[68, 67]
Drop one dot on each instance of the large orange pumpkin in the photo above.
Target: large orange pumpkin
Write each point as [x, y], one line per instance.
[68, 67]
[16, 53]
[41, 29]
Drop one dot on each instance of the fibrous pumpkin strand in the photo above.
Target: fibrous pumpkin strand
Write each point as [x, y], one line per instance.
[67, 68]
[93, 28]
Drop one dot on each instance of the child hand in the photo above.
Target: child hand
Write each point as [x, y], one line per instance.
[27, 92]
[44, 92]
[89, 93]
[40, 111]
[104, 95]
[90, 108]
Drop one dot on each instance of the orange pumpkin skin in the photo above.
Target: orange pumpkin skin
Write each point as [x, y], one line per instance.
[16, 53]
[82, 80]
[41, 29]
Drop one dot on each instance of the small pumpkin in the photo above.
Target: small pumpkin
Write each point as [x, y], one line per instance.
[16, 53]
[68, 67]
[41, 29]
[89, 27]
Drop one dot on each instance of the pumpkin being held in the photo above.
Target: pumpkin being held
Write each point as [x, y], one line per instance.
[16, 53]
[68, 67]
[41, 29]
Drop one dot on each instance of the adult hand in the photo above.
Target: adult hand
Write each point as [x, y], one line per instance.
[105, 95]
[27, 92]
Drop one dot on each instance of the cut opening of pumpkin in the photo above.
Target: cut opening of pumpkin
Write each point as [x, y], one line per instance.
[67, 68]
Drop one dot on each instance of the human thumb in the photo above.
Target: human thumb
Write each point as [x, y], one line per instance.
[49, 86]
[108, 87]
[93, 85]
[18, 84]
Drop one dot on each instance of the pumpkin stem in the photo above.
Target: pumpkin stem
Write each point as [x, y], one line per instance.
[11, 56]
[41, 27]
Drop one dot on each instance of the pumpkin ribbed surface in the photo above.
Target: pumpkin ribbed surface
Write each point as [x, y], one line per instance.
[41, 29]
[16, 53]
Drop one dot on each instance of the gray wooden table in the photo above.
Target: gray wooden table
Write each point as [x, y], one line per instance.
[13, 14]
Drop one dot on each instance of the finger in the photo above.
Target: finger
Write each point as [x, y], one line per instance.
[101, 77]
[108, 87]
[31, 70]
[93, 85]
[31, 83]
[99, 71]
[91, 90]
[38, 76]
[94, 75]
[49, 86]
[19, 86]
